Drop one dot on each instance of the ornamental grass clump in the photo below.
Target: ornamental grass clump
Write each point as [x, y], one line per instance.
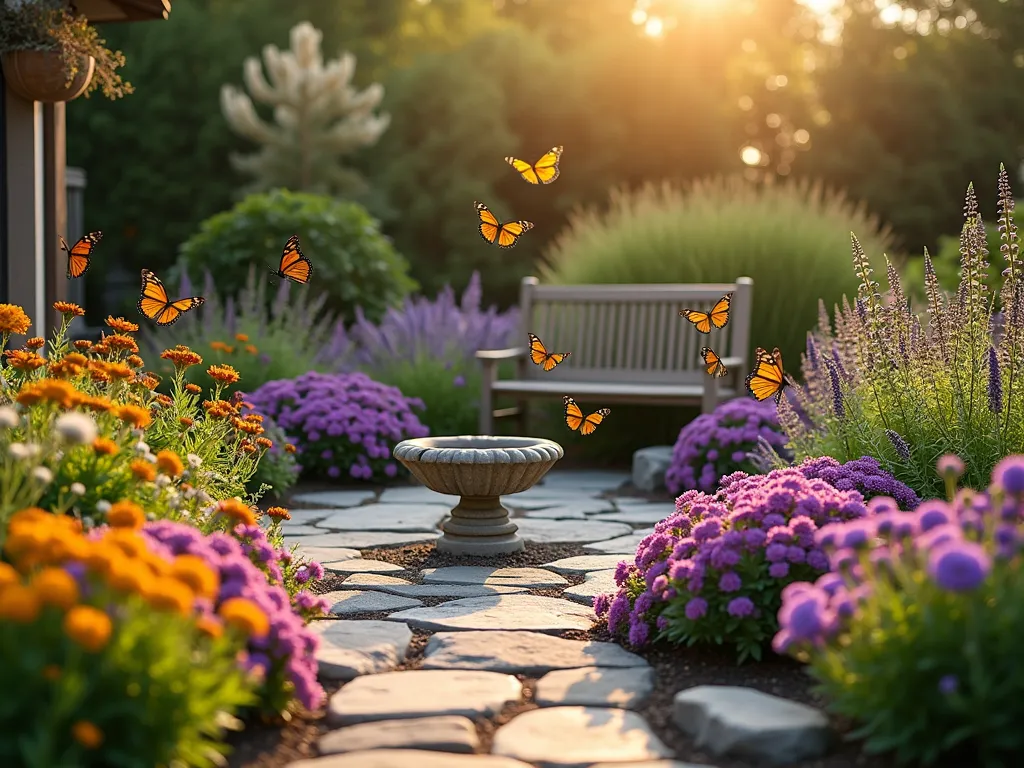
[105, 660]
[884, 382]
[342, 424]
[714, 571]
[915, 635]
[719, 443]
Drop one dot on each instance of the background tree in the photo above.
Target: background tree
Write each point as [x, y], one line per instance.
[318, 118]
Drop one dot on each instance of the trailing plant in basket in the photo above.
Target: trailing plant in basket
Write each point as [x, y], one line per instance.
[882, 382]
[48, 25]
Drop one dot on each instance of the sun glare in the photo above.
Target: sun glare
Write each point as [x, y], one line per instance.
[750, 155]
[654, 27]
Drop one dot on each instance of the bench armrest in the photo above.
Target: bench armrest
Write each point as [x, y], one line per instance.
[501, 354]
[733, 362]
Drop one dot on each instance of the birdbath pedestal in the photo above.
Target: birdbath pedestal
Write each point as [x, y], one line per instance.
[480, 469]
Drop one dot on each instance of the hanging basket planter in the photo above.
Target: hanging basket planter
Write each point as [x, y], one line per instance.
[41, 75]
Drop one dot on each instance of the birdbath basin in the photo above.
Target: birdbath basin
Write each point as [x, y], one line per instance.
[480, 469]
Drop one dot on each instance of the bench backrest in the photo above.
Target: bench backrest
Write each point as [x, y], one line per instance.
[633, 333]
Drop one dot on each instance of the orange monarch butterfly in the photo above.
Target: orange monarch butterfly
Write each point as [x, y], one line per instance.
[79, 254]
[544, 171]
[155, 305]
[294, 265]
[540, 355]
[574, 417]
[492, 230]
[767, 378]
[713, 363]
[718, 316]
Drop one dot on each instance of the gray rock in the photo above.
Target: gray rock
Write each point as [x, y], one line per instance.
[585, 563]
[405, 588]
[522, 653]
[649, 467]
[344, 603]
[568, 531]
[361, 539]
[326, 554]
[419, 493]
[599, 480]
[334, 498]
[594, 583]
[304, 516]
[529, 612]
[740, 721]
[577, 737]
[622, 545]
[407, 758]
[299, 529]
[624, 687]
[640, 514]
[493, 576]
[406, 518]
[352, 648]
[438, 734]
[359, 565]
[421, 693]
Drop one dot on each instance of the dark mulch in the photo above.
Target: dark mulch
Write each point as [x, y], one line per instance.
[416, 557]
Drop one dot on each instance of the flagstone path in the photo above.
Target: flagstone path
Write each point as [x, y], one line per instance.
[488, 625]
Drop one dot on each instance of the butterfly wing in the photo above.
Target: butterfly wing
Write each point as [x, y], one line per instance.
[154, 297]
[766, 380]
[79, 255]
[701, 320]
[525, 169]
[593, 421]
[176, 309]
[720, 312]
[489, 224]
[294, 265]
[510, 231]
[540, 356]
[712, 363]
[573, 414]
[546, 169]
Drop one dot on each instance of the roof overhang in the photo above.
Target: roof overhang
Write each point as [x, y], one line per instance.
[105, 11]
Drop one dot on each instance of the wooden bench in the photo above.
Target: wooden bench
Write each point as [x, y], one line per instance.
[628, 345]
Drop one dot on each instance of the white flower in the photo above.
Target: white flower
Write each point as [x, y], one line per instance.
[193, 460]
[42, 475]
[103, 506]
[23, 451]
[9, 418]
[162, 480]
[78, 489]
[141, 447]
[76, 427]
[203, 497]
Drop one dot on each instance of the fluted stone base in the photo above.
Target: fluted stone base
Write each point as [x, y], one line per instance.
[479, 526]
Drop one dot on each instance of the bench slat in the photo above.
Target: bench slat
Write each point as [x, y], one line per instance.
[583, 389]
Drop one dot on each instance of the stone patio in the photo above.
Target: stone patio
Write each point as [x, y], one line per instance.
[489, 625]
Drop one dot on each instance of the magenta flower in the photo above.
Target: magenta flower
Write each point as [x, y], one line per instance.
[959, 566]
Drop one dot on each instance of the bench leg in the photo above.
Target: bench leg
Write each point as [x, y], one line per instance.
[710, 396]
[524, 416]
[487, 402]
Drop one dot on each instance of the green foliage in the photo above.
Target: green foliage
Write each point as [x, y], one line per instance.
[884, 382]
[278, 469]
[789, 238]
[353, 263]
[449, 391]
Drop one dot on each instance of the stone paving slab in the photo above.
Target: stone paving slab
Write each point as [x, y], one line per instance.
[522, 653]
[645, 514]
[396, 586]
[406, 518]
[622, 502]
[347, 602]
[594, 583]
[578, 737]
[324, 554]
[588, 479]
[526, 612]
[653, 764]
[446, 733]
[622, 545]
[556, 513]
[585, 563]
[537, 578]
[361, 539]
[361, 565]
[420, 493]
[304, 516]
[623, 687]
[408, 758]
[573, 510]
[352, 648]
[422, 692]
[553, 494]
[299, 529]
[568, 531]
[334, 498]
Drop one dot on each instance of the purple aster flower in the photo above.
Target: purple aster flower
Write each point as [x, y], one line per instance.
[730, 582]
[933, 513]
[959, 566]
[778, 570]
[696, 608]
[950, 465]
[740, 606]
[1009, 475]
[948, 684]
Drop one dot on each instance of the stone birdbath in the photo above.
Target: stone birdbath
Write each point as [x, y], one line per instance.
[481, 469]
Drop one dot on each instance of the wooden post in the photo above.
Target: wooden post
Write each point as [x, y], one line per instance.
[56, 209]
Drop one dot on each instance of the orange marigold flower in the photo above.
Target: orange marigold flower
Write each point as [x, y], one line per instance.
[223, 373]
[186, 422]
[289, 448]
[210, 626]
[23, 360]
[38, 342]
[82, 344]
[89, 627]
[68, 308]
[13, 319]
[237, 511]
[242, 337]
[121, 325]
[65, 369]
[135, 361]
[249, 426]
[195, 389]
[98, 404]
[120, 341]
[134, 415]
[48, 390]
[20, 604]
[182, 356]
[264, 442]
[247, 447]
[143, 470]
[252, 349]
[244, 614]
[193, 571]
[128, 541]
[7, 575]
[119, 370]
[219, 346]
[128, 514]
[87, 734]
[149, 380]
[171, 595]
[218, 409]
[169, 463]
[278, 513]
[104, 446]
[100, 348]
[75, 358]
[163, 401]
[56, 586]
